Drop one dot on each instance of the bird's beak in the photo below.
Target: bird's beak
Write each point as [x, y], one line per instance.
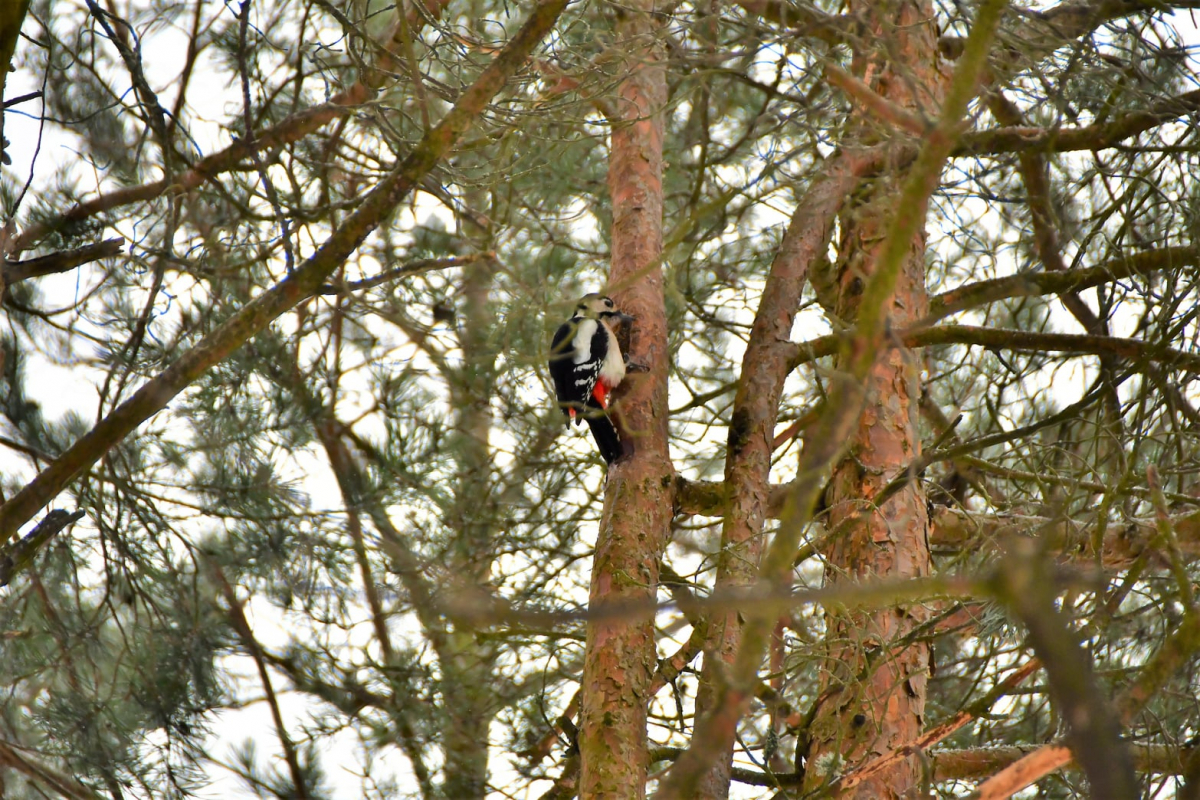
[623, 318]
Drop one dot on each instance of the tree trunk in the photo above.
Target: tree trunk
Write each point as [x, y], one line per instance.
[635, 525]
[873, 689]
[469, 685]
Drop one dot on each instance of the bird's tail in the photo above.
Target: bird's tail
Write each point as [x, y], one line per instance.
[606, 436]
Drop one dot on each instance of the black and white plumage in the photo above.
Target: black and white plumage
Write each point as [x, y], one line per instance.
[586, 364]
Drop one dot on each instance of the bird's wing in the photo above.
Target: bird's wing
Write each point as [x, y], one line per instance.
[562, 362]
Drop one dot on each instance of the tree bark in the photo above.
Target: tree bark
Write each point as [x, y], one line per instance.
[468, 680]
[872, 691]
[635, 525]
[765, 367]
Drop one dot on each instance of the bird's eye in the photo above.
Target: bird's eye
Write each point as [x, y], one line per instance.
[608, 302]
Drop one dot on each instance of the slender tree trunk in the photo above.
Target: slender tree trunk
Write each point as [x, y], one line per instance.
[635, 524]
[873, 688]
[468, 682]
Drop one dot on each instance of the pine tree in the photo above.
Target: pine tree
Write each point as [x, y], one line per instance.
[910, 502]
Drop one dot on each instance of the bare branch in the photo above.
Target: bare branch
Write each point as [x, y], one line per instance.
[11, 756]
[1177, 650]
[974, 763]
[1034, 284]
[1092, 137]
[418, 267]
[242, 625]
[1019, 341]
[1023, 584]
[17, 271]
[952, 529]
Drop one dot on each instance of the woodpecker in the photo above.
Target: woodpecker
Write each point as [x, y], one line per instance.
[586, 364]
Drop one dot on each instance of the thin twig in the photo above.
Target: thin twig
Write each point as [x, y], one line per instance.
[413, 268]
[289, 254]
[246, 633]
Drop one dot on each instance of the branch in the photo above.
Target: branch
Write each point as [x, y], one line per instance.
[242, 625]
[952, 529]
[419, 267]
[1052, 479]
[878, 105]
[1023, 583]
[1092, 137]
[408, 566]
[969, 764]
[66, 785]
[410, 742]
[155, 114]
[802, 21]
[977, 762]
[17, 271]
[15, 559]
[1176, 651]
[154, 395]
[1034, 35]
[939, 732]
[1026, 771]
[1020, 341]
[1040, 283]
[563, 723]
[1036, 177]
[1179, 648]
[567, 785]
[1123, 543]
[12, 16]
[1037, 34]
[24, 98]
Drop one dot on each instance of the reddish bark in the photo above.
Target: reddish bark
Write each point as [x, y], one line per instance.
[873, 694]
[635, 525]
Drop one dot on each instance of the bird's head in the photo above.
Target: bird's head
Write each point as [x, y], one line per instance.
[597, 306]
